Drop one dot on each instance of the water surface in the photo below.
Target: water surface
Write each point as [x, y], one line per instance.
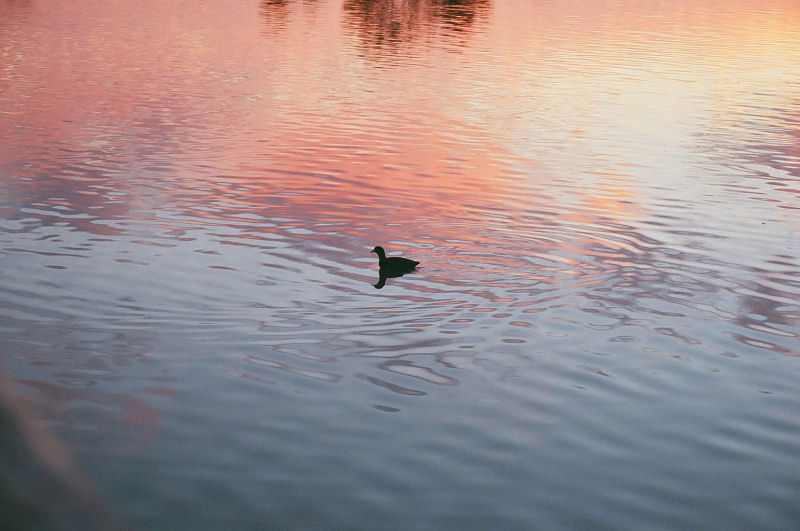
[604, 197]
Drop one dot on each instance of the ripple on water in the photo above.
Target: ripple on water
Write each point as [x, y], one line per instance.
[605, 311]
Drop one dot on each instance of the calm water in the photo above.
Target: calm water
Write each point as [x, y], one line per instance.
[604, 196]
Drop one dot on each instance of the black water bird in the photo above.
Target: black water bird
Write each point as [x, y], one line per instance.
[394, 265]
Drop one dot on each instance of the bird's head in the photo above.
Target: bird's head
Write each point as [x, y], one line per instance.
[379, 250]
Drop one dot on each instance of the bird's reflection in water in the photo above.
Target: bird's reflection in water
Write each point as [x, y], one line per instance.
[383, 274]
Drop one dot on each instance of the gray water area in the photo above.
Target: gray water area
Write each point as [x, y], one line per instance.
[604, 198]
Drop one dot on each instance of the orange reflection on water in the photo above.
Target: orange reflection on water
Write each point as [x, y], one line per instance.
[125, 94]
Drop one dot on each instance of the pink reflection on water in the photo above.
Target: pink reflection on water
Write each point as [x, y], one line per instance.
[111, 115]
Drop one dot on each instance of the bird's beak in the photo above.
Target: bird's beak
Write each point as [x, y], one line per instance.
[372, 251]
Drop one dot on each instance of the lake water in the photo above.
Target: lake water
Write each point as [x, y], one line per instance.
[604, 331]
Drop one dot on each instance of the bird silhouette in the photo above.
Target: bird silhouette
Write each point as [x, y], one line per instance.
[394, 264]
[391, 267]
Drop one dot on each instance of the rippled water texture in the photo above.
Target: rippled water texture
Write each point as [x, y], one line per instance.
[604, 197]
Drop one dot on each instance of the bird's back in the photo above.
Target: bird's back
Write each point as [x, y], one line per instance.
[397, 262]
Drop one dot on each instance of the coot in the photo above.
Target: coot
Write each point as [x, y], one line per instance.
[393, 264]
